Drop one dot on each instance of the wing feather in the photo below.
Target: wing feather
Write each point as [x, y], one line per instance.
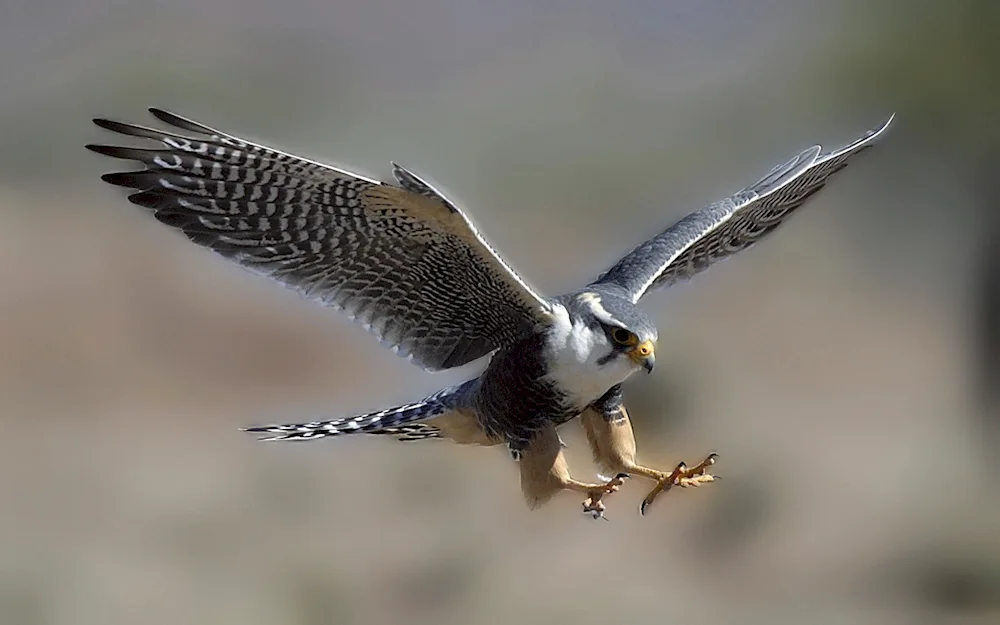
[403, 261]
[734, 224]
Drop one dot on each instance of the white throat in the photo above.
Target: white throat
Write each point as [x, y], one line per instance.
[572, 351]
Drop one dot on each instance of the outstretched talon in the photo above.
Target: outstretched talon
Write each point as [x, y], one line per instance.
[682, 476]
[593, 504]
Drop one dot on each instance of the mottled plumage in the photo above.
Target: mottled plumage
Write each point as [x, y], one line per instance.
[406, 263]
[403, 262]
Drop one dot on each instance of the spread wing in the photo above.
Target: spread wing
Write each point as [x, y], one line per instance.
[402, 260]
[731, 225]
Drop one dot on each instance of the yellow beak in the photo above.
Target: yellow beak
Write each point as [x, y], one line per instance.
[643, 355]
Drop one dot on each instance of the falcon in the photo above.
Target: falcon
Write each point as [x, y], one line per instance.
[406, 263]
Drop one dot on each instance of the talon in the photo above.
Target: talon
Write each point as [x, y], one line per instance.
[612, 485]
[681, 476]
[594, 507]
[703, 466]
[596, 514]
[593, 503]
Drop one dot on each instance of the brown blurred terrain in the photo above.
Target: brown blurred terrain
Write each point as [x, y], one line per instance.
[834, 367]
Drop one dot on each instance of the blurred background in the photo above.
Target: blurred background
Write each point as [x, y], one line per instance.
[846, 370]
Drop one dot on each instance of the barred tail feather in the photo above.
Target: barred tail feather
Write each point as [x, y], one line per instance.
[401, 421]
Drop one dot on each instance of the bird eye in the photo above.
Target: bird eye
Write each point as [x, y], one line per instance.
[623, 336]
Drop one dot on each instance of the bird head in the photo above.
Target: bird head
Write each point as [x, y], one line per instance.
[630, 333]
[610, 332]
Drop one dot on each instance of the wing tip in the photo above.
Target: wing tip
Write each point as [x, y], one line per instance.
[119, 178]
[885, 125]
[149, 199]
[163, 115]
[184, 123]
[109, 124]
[112, 178]
[113, 151]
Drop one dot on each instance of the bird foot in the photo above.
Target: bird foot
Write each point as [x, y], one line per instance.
[593, 504]
[684, 477]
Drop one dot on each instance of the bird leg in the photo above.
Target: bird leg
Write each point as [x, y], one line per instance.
[612, 443]
[544, 472]
[681, 476]
[593, 504]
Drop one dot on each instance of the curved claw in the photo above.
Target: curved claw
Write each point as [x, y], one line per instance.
[594, 508]
[642, 506]
[593, 505]
[683, 477]
[704, 465]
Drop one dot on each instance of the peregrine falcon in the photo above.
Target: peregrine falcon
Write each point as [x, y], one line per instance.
[407, 264]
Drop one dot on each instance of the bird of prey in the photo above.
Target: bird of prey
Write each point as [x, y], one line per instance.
[407, 264]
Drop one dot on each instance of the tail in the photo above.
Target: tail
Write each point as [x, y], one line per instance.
[400, 421]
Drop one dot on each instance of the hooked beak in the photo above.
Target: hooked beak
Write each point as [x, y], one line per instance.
[643, 355]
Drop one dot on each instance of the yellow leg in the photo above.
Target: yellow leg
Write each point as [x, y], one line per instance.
[681, 476]
[544, 473]
[612, 443]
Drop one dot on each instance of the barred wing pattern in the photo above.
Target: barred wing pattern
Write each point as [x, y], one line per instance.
[403, 261]
[400, 421]
[731, 225]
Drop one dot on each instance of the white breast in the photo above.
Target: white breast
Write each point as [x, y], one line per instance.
[572, 351]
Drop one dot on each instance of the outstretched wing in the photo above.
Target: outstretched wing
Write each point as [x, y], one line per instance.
[731, 225]
[402, 260]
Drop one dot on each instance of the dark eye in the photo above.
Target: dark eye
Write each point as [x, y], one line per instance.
[623, 336]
